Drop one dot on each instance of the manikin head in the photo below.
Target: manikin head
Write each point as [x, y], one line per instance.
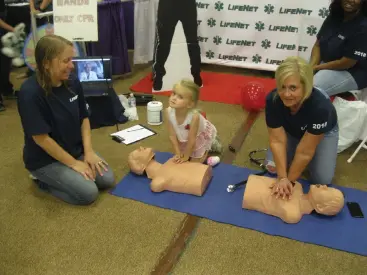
[326, 200]
[138, 159]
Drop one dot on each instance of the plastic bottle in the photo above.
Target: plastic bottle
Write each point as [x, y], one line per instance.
[132, 101]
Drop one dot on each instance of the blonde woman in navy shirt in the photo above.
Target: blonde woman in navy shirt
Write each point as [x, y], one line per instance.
[303, 129]
[339, 56]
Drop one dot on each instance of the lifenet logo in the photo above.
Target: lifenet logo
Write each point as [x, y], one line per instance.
[203, 39]
[201, 5]
[273, 61]
[269, 8]
[266, 44]
[217, 40]
[219, 5]
[324, 12]
[234, 25]
[297, 11]
[233, 57]
[286, 28]
[311, 30]
[259, 26]
[248, 8]
[256, 58]
[245, 43]
[209, 54]
[211, 22]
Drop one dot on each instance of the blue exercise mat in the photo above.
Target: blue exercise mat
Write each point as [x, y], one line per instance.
[340, 232]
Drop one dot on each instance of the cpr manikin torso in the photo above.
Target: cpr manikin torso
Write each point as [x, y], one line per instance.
[324, 200]
[189, 177]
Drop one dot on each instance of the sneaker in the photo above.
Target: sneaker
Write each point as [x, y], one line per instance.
[216, 146]
[2, 107]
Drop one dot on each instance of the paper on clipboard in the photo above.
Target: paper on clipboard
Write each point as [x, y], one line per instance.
[133, 134]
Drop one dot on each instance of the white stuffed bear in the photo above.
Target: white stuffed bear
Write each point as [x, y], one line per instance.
[13, 43]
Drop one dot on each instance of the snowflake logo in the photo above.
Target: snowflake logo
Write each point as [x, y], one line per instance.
[217, 40]
[269, 8]
[219, 6]
[259, 26]
[311, 30]
[256, 58]
[211, 22]
[209, 54]
[324, 12]
[265, 44]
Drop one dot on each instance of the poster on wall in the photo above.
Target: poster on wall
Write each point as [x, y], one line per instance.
[255, 34]
[176, 48]
[76, 20]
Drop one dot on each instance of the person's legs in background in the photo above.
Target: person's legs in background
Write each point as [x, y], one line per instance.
[188, 17]
[323, 163]
[166, 24]
[70, 186]
[334, 82]
[6, 88]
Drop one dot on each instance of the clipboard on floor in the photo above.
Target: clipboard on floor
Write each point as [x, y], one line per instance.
[132, 134]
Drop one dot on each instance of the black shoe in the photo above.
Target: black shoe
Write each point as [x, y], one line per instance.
[2, 107]
[198, 81]
[157, 84]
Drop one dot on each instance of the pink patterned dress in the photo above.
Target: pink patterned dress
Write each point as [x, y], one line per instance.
[205, 137]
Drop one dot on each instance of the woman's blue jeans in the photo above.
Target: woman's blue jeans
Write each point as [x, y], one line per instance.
[334, 82]
[323, 163]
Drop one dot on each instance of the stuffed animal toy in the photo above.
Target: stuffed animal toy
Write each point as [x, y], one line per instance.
[13, 43]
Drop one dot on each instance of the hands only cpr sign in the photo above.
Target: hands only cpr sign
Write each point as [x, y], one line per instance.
[76, 20]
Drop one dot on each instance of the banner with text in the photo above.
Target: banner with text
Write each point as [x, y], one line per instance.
[76, 20]
[258, 34]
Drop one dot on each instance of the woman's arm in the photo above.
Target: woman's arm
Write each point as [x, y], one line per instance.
[172, 134]
[304, 154]
[341, 64]
[193, 132]
[278, 146]
[54, 150]
[315, 54]
[31, 6]
[45, 4]
[87, 137]
[6, 26]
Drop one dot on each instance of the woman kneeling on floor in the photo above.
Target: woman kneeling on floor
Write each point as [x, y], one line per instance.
[58, 149]
[303, 129]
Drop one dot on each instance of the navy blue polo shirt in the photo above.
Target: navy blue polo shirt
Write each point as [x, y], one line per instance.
[346, 39]
[317, 115]
[59, 114]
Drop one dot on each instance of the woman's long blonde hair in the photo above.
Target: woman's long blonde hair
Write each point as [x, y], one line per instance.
[48, 48]
[295, 65]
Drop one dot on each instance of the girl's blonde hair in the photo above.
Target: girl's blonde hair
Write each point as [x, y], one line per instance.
[295, 65]
[192, 87]
[48, 48]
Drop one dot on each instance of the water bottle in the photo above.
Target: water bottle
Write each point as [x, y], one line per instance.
[132, 101]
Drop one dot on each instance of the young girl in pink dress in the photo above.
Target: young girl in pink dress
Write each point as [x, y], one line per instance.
[191, 134]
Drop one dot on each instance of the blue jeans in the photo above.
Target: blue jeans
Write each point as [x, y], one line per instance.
[322, 165]
[334, 82]
[69, 185]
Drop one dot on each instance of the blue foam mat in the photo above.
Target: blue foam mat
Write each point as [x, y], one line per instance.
[341, 232]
